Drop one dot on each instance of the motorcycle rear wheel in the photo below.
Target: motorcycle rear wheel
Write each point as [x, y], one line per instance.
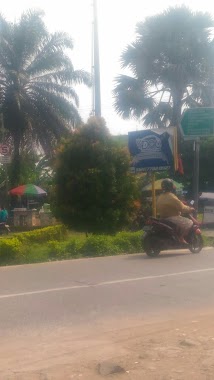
[150, 246]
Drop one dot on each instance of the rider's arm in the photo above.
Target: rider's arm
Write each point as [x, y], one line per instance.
[180, 206]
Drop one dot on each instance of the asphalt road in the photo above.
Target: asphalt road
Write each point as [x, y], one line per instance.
[89, 290]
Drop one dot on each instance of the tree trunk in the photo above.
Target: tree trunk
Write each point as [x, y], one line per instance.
[16, 163]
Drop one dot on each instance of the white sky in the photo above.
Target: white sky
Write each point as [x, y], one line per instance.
[117, 20]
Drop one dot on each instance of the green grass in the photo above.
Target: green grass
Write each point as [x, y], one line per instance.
[21, 250]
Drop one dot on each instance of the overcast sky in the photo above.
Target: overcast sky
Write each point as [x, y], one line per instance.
[117, 20]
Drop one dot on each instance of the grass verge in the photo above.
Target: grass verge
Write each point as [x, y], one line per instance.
[55, 243]
[47, 245]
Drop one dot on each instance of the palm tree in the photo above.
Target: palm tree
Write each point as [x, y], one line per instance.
[37, 99]
[167, 65]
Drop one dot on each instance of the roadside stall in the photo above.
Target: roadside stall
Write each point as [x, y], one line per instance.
[29, 201]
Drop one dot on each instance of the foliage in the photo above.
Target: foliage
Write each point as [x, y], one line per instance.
[18, 251]
[37, 98]
[99, 245]
[42, 235]
[9, 249]
[94, 189]
[170, 62]
[13, 251]
[128, 242]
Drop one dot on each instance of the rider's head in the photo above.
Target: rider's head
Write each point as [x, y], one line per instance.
[167, 185]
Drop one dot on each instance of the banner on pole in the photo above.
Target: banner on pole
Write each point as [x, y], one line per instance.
[153, 149]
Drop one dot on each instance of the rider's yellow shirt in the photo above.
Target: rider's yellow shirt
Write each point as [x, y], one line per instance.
[169, 205]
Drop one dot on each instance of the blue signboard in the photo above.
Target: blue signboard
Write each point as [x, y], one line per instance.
[151, 150]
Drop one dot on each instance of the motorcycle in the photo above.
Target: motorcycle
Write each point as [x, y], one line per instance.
[160, 235]
[4, 228]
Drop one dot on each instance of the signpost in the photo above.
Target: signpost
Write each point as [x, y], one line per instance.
[153, 150]
[5, 159]
[4, 149]
[196, 123]
[208, 216]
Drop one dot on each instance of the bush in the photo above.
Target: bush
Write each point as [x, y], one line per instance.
[128, 242]
[9, 249]
[73, 247]
[43, 234]
[95, 190]
[25, 250]
[99, 245]
[35, 253]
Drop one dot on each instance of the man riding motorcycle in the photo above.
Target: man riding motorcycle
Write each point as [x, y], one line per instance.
[169, 207]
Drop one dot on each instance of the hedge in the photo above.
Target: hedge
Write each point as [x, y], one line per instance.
[42, 235]
[93, 246]
[53, 243]
[10, 249]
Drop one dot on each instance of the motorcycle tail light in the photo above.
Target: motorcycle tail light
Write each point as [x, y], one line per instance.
[198, 231]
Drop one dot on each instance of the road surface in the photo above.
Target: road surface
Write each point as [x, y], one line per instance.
[42, 300]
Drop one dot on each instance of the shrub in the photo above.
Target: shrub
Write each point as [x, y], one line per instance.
[94, 187]
[43, 234]
[9, 249]
[99, 245]
[74, 247]
[35, 253]
[128, 242]
[25, 250]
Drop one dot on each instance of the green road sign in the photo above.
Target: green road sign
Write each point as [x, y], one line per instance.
[198, 122]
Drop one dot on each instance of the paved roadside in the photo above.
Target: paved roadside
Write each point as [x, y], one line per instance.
[59, 320]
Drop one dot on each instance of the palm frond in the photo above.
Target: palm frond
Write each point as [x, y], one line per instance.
[159, 116]
[173, 51]
[131, 97]
[37, 97]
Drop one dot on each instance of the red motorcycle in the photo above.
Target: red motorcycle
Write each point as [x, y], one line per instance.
[160, 235]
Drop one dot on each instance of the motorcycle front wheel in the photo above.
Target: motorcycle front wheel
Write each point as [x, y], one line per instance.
[196, 243]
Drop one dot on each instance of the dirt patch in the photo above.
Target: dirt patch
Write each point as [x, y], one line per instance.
[166, 350]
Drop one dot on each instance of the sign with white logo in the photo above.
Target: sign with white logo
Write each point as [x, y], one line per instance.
[152, 149]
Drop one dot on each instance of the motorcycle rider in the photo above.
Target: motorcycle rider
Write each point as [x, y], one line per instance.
[3, 215]
[169, 207]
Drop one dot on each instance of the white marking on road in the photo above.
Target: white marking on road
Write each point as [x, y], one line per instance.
[52, 290]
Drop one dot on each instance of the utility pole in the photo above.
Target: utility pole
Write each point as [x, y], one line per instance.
[96, 65]
[196, 149]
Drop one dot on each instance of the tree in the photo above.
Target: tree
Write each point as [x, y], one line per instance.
[169, 62]
[94, 190]
[37, 98]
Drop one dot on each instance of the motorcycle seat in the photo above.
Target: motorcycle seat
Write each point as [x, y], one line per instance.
[168, 223]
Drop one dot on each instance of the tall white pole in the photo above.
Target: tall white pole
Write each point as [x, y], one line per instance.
[96, 65]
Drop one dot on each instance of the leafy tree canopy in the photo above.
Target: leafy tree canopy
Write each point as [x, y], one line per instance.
[94, 190]
[168, 67]
[37, 96]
